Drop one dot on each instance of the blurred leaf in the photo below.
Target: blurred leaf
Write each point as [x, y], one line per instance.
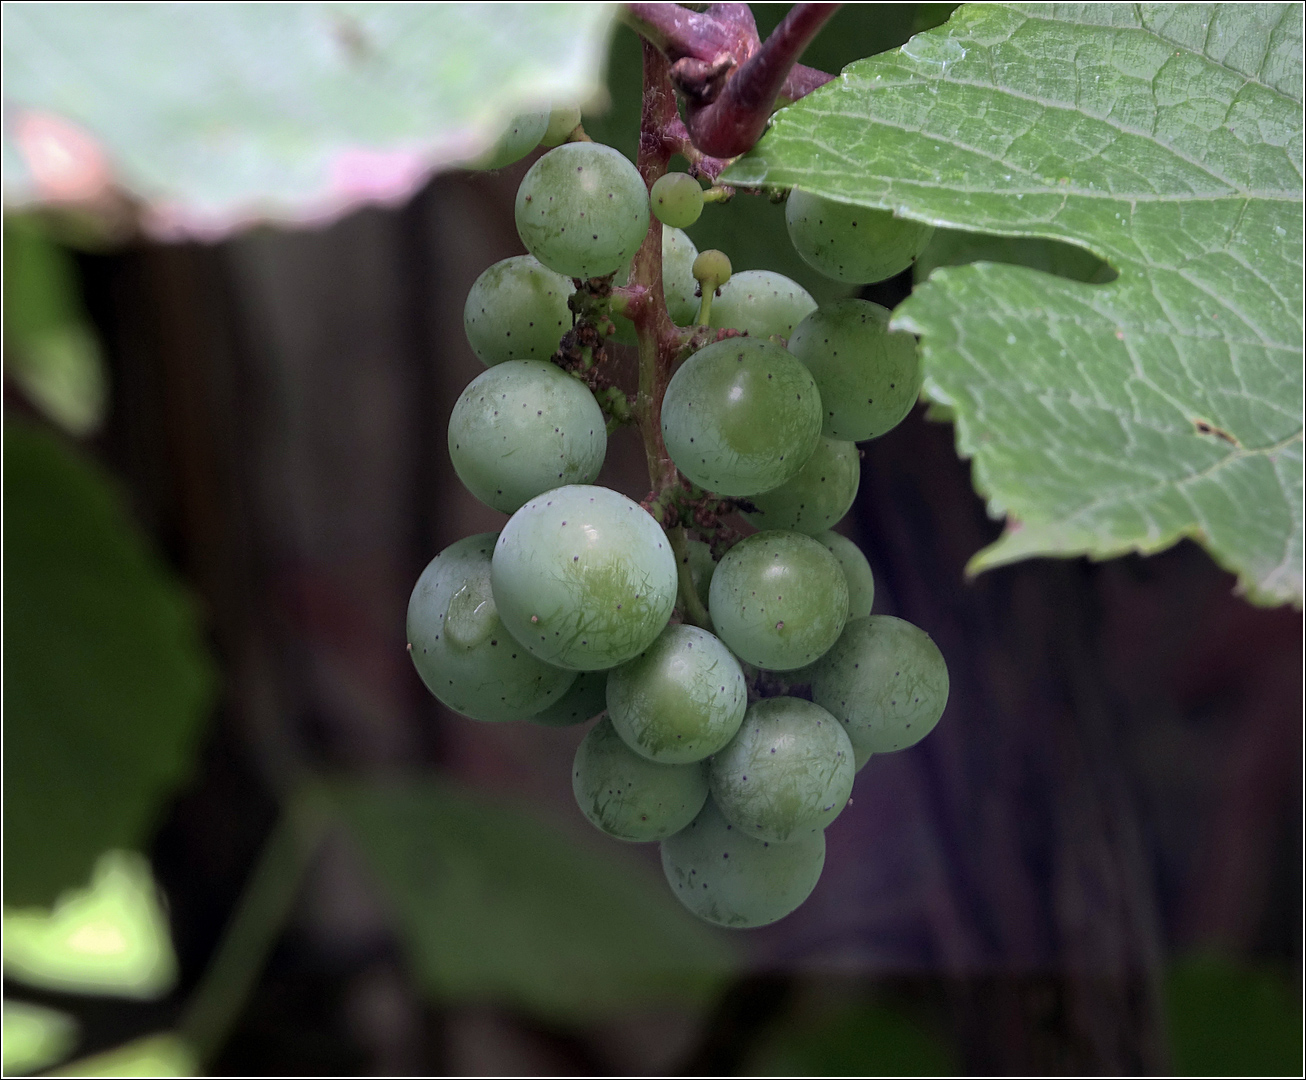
[873, 1040]
[50, 349]
[111, 938]
[154, 1055]
[217, 115]
[106, 680]
[34, 1037]
[1230, 1020]
[1167, 140]
[494, 906]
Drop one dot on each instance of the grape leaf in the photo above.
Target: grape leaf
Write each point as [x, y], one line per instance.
[1167, 140]
[215, 115]
[494, 906]
[106, 681]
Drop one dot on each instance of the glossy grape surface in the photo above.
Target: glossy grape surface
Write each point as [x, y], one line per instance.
[815, 497]
[729, 878]
[869, 378]
[852, 243]
[857, 571]
[779, 600]
[584, 577]
[517, 310]
[462, 650]
[787, 773]
[762, 303]
[741, 416]
[582, 210]
[522, 428]
[679, 700]
[885, 681]
[629, 797]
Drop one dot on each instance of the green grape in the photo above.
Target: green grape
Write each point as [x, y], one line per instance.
[761, 303]
[869, 377]
[741, 416]
[582, 210]
[815, 497]
[523, 428]
[523, 135]
[517, 310]
[563, 120]
[701, 568]
[779, 600]
[629, 797]
[787, 773]
[885, 681]
[584, 701]
[679, 700]
[678, 284]
[676, 200]
[583, 577]
[461, 649]
[712, 269]
[852, 243]
[725, 876]
[857, 571]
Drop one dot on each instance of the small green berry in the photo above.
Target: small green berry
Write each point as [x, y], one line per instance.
[677, 200]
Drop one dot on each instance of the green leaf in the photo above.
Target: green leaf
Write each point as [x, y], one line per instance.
[109, 938]
[1167, 140]
[50, 349]
[215, 115]
[154, 1055]
[106, 681]
[34, 1037]
[1231, 1020]
[495, 906]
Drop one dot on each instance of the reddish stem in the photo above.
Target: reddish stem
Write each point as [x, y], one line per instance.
[735, 120]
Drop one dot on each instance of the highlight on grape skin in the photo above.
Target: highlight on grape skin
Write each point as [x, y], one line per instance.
[460, 647]
[583, 577]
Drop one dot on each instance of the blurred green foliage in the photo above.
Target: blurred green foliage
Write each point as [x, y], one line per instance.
[109, 938]
[493, 905]
[107, 682]
[34, 1037]
[154, 1055]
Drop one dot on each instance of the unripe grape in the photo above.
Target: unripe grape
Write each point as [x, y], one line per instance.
[517, 310]
[726, 877]
[762, 304]
[852, 243]
[584, 577]
[779, 600]
[582, 210]
[815, 497]
[676, 199]
[787, 773]
[857, 571]
[522, 428]
[462, 650]
[712, 269]
[679, 700]
[741, 416]
[629, 797]
[885, 681]
[869, 377]
[584, 701]
[523, 135]
[563, 120]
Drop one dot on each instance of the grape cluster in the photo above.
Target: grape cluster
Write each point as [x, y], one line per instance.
[733, 746]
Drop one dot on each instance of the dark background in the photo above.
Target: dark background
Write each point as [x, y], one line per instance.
[1114, 789]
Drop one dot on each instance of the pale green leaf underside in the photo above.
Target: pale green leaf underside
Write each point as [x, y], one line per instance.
[218, 114]
[1165, 138]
